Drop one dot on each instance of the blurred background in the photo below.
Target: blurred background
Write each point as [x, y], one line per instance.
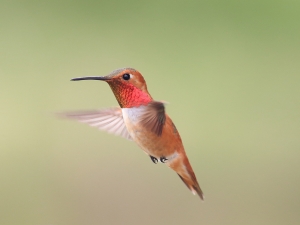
[230, 71]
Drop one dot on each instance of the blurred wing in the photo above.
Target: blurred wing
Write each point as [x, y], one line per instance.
[154, 117]
[110, 120]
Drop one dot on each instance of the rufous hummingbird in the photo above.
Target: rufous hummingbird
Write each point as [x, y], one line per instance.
[143, 120]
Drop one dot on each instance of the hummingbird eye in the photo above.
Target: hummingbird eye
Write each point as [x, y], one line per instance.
[126, 76]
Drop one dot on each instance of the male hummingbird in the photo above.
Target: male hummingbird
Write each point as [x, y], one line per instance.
[143, 120]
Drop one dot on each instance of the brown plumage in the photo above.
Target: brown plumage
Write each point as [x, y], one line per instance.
[142, 120]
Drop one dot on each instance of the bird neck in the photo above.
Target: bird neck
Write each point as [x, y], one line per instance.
[129, 96]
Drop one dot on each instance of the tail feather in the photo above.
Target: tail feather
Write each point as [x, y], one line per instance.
[184, 170]
[193, 186]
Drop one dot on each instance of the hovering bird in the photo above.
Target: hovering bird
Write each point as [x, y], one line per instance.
[143, 120]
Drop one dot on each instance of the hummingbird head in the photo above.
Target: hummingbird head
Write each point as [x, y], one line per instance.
[128, 86]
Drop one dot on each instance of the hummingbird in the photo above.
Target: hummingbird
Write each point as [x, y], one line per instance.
[142, 120]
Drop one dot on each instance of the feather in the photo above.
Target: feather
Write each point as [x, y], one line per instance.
[110, 120]
[154, 117]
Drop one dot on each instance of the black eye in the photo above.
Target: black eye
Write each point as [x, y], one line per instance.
[126, 76]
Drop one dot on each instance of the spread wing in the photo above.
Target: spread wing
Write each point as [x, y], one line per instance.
[154, 117]
[110, 120]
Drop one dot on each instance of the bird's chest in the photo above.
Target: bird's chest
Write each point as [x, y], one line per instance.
[144, 137]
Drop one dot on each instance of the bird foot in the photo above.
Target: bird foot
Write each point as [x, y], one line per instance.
[153, 159]
[163, 159]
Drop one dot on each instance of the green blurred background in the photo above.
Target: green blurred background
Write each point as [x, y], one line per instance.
[230, 71]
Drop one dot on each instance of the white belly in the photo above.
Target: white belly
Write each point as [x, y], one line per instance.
[137, 132]
[131, 118]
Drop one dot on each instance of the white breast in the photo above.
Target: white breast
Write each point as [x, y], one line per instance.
[132, 115]
[131, 118]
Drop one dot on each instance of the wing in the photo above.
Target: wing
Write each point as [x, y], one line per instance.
[110, 120]
[154, 117]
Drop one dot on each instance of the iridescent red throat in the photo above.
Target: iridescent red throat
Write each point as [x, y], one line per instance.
[128, 95]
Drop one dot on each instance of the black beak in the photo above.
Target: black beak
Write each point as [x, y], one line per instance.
[90, 78]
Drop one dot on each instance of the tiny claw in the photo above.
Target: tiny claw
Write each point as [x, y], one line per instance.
[153, 159]
[163, 159]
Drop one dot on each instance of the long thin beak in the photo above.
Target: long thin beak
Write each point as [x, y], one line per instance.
[90, 78]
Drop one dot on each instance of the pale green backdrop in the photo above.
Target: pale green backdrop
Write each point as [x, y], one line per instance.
[230, 71]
